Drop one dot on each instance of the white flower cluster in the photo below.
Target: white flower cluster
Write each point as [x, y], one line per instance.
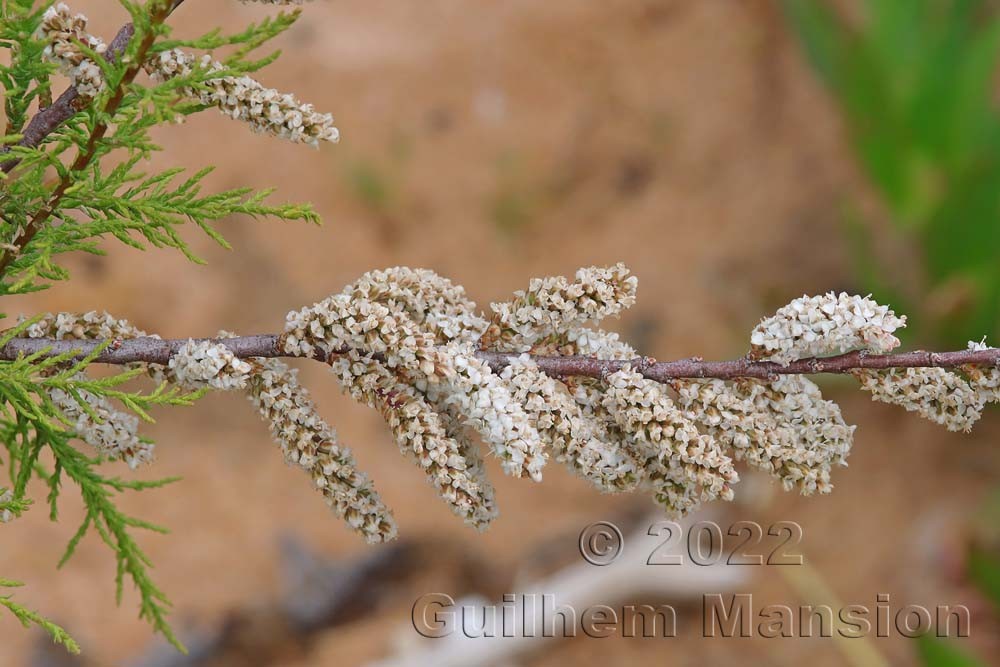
[373, 316]
[937, 394]
[783, 427]
[310, 443]
[430, 300]
[405, 342]
[113, 433]
[207, 363]
[5, 514]
[351, 321]
[816, 326]
[986, 381]
[554, 305]
[76, 326]
[449, 461]
[683, 466]
[65, 32]
[578, 440]
[266, 110]
[832, 324]
[480, 398]
[595, 343]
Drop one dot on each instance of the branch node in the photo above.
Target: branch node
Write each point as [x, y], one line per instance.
[643, 364]
[603, 372]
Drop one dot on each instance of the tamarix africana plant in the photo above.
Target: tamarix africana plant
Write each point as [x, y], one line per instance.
[533, 379]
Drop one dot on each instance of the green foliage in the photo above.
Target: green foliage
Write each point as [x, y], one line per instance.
[28, 618]
[983, 560]
[983, 568]
[935, 652]
[26, 78]
[914, 79]
[83, 185]
[92, 201]
[14, 507]
[113, 527]
[30, 424]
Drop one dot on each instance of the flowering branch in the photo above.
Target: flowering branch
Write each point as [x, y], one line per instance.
[71, 176]
[533, 378]
[70, 102]
[87, 152]
[534, 381]
[160, 351]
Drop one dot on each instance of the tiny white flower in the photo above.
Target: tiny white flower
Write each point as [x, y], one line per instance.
[817, 326]
[208, 363]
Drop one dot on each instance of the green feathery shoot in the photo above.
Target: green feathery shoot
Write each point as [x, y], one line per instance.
[73, 179]
[29, 618]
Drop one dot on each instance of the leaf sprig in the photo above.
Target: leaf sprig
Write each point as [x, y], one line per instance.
[72, 189]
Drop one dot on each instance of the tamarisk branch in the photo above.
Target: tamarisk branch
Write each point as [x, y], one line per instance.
[159, 351]
[97, 133]
[64, 107]
[410, 344]
[69, 103]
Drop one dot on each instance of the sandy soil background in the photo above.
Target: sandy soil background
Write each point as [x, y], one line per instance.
[496, 141]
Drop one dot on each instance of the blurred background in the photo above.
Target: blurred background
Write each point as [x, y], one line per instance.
[734, 153]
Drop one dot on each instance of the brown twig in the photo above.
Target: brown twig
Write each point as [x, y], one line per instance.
[159, 351]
